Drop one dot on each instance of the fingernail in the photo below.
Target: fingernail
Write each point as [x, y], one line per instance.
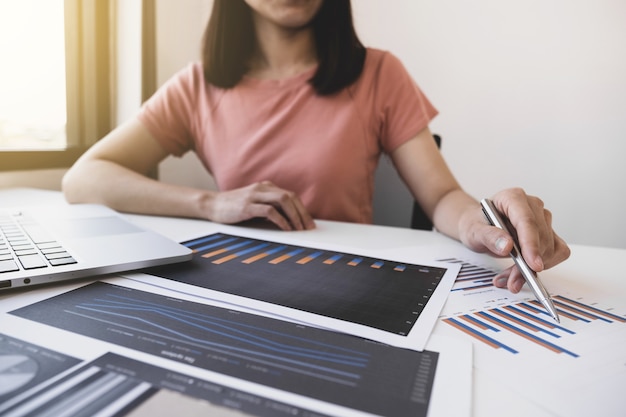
[501, 282]
[501, 244]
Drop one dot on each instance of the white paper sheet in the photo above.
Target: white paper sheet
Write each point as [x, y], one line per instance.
[454, 368]
[416, 339]
[576, 368]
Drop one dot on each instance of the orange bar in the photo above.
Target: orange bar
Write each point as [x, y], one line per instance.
[551, 326]
[528, 308]
[225, 259]
[561, 312]
[516, 320]
[489, 342]
[581, 313]
[377, 265]
[329, 261]
[467, 319]
[280, 259]
[255, 258]
[305, 260]
[520, 334]
[215, 252]
[594, 310]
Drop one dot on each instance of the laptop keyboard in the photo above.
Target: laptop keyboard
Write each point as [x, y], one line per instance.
[24, 244]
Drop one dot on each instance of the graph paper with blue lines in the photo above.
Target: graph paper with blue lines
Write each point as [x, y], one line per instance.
[325, 365]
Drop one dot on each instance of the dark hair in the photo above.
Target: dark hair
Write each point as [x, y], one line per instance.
[229, 41]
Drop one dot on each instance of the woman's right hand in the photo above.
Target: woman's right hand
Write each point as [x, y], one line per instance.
[114, 172]
[260, 200]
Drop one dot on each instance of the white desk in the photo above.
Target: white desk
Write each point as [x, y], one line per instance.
[598, 269]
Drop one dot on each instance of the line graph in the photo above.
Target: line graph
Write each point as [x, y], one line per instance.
[337, 368]
[248, 343]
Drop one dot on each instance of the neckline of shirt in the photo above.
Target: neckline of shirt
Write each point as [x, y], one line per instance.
[297, 79]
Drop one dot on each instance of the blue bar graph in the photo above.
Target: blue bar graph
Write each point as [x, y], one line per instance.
[379, 293]
[529, 322]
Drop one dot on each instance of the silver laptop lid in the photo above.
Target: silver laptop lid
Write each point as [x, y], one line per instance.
[50, 243]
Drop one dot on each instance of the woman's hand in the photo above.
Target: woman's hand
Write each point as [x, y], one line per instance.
[541, 247]
[260, 200]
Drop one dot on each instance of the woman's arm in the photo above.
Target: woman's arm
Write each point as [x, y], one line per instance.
[114, 172]
[458, 215]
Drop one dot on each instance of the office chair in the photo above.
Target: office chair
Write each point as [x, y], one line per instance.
[419, 219]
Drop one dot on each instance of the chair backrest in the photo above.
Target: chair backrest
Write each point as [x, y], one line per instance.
[419, 219]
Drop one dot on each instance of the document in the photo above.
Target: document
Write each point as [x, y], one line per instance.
[394, 300]
[171, 346]
[575, 368]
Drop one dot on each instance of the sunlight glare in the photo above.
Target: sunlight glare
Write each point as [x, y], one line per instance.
[32, 74]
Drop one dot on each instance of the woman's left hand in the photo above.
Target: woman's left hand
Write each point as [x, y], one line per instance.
[541, 247]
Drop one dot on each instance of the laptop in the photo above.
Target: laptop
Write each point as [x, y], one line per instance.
[57, 242]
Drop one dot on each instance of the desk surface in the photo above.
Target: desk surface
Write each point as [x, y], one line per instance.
[590, 270]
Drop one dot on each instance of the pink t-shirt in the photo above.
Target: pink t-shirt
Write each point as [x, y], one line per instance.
[323, 148]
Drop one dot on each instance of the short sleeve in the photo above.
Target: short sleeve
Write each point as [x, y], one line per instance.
[170, 114]
[402, 108]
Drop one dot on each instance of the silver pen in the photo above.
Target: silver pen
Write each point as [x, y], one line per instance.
[498, 220]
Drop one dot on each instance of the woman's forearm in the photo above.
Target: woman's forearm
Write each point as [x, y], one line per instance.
[452, 210]
[108, 183]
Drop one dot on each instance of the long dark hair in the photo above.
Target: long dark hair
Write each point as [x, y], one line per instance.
[229, 41]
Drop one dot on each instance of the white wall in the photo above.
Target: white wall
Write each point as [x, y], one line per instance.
[531, 94]
[128, 60]
[48, 179]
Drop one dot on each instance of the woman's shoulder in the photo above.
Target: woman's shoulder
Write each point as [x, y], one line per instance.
[191, 75]
[382, 67]
[189, 84]
[380, 59]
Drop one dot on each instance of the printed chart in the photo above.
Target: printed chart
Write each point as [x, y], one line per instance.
[514, 332]
[381, 294]
[24, 365]
[114, 386]
[391, 302]
[529, 321]
[335, 368]
[471, 277]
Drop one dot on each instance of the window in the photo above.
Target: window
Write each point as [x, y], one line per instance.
[55, 80]
[32, 101]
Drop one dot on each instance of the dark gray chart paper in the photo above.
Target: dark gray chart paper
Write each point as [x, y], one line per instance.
[378, 293]
[324, 365]
[113, 385]
[24, 365]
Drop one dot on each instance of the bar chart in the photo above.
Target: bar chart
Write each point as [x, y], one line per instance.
[515, 338]
[471, 277]
[514, 324]
[530, 322]
[378, 293]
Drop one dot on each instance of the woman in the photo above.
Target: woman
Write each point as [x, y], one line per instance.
[290, 113]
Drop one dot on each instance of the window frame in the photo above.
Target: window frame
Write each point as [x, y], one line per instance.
[89, 57]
